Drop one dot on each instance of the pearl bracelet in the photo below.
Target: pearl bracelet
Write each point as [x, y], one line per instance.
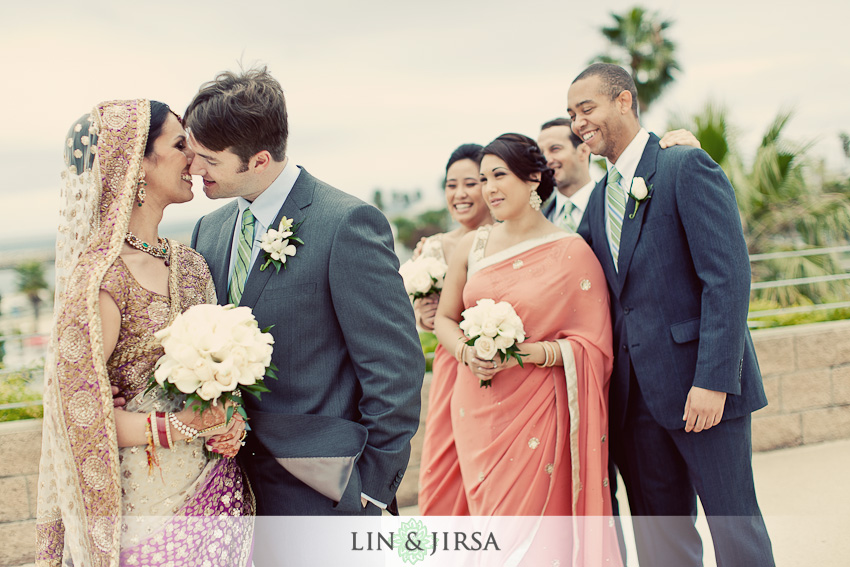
[190, 432]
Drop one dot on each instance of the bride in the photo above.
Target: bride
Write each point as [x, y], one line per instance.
[132, 485]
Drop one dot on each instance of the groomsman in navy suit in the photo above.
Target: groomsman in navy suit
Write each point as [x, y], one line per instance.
[666, 229]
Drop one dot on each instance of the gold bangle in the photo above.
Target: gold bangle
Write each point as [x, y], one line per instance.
[554, 354]
[545, 356]
[459, 345]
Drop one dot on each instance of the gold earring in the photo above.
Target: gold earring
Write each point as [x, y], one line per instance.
[534, 200]
[140, 195]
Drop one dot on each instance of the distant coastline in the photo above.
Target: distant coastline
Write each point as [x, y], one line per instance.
[42, 246]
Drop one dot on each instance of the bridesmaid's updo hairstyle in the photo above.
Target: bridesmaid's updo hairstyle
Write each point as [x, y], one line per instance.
[524, 159]
[465, 151]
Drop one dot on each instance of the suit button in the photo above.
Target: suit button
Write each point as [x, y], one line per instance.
[626, 310]
[625, 348]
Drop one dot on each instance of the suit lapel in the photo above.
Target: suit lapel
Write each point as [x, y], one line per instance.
[632, 227]
[222, 252]
[298, 199]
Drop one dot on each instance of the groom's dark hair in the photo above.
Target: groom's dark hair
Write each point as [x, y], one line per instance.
[614, 79]
[244, 112]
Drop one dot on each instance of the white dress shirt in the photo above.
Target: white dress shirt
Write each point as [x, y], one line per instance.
[579, 199]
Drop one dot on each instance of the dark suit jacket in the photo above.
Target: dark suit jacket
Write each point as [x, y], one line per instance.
[349, 359]
[680, 299]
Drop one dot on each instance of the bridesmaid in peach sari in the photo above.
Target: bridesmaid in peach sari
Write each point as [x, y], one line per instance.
[440, 484]
[535, 442]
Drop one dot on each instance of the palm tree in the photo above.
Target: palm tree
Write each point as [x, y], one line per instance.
[782, 206]
[638, 43]
[31, 282]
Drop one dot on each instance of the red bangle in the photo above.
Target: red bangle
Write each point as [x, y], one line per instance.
[161, 430]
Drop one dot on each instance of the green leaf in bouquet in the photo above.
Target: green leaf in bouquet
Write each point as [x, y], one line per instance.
[266, 330]
[296, 239]
[229, 415]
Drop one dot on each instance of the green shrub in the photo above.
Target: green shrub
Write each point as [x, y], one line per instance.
[17, 387]
[429, 345]
[786, 319]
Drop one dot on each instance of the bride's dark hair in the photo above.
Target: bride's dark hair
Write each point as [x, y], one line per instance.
[159, 113]
[524, 158]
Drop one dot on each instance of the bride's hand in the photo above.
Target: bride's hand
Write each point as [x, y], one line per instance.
[229, 442]
[211, 417]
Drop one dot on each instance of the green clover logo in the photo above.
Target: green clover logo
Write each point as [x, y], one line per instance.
[413, 541]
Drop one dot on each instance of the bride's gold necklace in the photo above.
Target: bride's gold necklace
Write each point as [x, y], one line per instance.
[160, 251]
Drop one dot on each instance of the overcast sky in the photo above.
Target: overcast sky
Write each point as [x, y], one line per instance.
[380, 92]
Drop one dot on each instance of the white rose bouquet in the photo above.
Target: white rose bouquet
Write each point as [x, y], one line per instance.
[213, 352]
[493, 328]
[423, 276]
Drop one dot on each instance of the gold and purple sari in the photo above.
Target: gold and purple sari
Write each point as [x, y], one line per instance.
[98, 504]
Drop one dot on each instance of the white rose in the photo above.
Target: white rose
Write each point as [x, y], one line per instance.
[209, 390]
[436, 270]
[502, 311]
[639, 190]
[185, 380]
[503, 343]
[485, 347]
[420, 282]
[490, 329]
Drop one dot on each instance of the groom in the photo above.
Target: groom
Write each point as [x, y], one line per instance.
[685, 375]
[332, 437]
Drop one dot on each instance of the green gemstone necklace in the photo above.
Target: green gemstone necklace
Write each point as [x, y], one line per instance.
[160, 251]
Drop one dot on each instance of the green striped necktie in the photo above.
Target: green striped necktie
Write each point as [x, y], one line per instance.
[616, 204]
[243, 258]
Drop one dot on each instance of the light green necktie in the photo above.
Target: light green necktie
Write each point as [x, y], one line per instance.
[565, 218]
[243, 258]
[616, 204]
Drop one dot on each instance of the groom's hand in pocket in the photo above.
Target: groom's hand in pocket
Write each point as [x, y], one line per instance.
[703, 409]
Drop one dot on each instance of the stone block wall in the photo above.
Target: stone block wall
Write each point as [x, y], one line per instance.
[806, 372]
[20, 450]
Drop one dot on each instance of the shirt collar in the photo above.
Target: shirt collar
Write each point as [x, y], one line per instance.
[630, 158]
[582, 196]
[266, 207]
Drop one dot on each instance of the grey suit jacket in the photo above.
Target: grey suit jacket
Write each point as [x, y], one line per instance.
[680, 295]
[349, 359]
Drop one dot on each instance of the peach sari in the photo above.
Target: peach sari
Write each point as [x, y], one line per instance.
[535, 443]
[440, 484]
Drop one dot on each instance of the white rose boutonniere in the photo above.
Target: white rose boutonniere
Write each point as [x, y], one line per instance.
[639, 192]
[280, 244]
